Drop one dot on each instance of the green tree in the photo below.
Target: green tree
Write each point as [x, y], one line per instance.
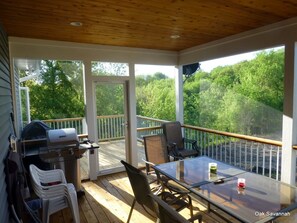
[155, 96]
[244, 98]
[109, 99]
[192, 102]
[109, 69]
[53, 94]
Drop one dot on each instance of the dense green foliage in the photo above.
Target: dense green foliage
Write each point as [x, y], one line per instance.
[155, 96]
[244, 98]
[58, 91]
[109, 96]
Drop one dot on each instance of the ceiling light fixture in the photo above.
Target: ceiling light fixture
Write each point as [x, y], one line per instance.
[175, 36]
[77, 24]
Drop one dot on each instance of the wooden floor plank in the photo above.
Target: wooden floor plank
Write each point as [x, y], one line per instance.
[103, 197]
[126, 195]
[57, 218]
[86, 210]
[108, 200]
[98, 210]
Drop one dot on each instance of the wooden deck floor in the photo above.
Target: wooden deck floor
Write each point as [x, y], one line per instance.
[109, 156]
[108, 200]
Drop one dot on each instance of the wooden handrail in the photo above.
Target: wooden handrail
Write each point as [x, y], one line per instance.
[234, 135]
[239, 136]
[149, 128]
[151, 119]
[63, 119]
[228, 134]
[109, 116]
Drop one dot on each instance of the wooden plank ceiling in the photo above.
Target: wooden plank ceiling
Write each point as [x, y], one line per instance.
[138, 23]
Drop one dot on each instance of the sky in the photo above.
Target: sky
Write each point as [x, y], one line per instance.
[206, 66]
[141, 69]
[211, 64]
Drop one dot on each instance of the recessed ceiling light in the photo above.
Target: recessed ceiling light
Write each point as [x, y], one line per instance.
[76, 24]
[175, 36]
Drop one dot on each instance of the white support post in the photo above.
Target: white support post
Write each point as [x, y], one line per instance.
[91, 118]
[179, 99]
[289, 135]
[132, 150]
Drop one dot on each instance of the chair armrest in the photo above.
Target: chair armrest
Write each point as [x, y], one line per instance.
[171, 185]
[147, 166]
[196, 217]
[48, 192]
[191, 141]
[175, 188]
[171, 145]
[168, 210]
[52, 176]
[147, 162]
[173, 151]
[155, 171]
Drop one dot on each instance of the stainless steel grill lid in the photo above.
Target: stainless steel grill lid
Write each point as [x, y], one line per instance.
[62, 137]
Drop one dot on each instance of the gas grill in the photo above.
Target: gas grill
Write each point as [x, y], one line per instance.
[63, 151]
[58, 148]
[62, 145]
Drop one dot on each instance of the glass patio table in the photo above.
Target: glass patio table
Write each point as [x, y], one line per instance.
[194, 172]
[262, 200]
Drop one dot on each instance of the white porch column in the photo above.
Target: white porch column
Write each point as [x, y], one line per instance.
[132, 123]
[91, 118]
[289, 135]
[179, 98]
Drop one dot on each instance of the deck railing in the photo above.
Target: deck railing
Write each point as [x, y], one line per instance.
[147, 126]
[77, 123]
[111, 127]
[254, 154]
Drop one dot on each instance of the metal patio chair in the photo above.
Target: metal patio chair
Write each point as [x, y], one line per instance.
[141, 190]
[156, 153]
[168, 215]
[155, 149]
[177, 143]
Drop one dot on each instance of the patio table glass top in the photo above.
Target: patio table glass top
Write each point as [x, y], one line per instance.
[263, 199]
[194, 172]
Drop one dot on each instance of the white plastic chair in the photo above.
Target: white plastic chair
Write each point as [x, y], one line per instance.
[55, 192]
